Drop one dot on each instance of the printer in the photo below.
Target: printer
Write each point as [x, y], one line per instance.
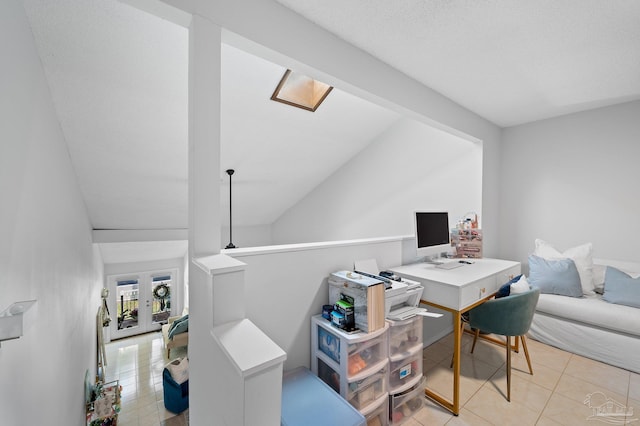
[402, 296]
[402, 300]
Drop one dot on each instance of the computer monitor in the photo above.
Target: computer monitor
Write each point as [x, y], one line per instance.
[432, 234]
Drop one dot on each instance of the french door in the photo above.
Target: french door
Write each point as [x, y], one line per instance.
[141, 302]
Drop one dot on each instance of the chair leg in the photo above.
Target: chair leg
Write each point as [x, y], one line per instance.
[475, 339]
[526, 353]
[168, 353]
[509, 368]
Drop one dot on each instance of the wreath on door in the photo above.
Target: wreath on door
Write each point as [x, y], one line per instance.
[161, 291]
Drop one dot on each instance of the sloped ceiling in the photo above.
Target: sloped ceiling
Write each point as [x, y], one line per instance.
[118, 79]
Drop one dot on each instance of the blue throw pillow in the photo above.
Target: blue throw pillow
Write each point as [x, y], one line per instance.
[620, 288]
[557, 276]
[176, 323]
[181, 327]
[505, 289]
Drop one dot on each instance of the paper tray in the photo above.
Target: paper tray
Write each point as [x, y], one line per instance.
[408, 298]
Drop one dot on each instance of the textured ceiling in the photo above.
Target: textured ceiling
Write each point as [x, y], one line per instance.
[509, 61]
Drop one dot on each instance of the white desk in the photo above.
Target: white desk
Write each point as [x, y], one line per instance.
[457, 291]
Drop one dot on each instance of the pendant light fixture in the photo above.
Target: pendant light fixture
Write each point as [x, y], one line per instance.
[230, 245]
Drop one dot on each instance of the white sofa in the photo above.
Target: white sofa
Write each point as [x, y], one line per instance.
[590, 326]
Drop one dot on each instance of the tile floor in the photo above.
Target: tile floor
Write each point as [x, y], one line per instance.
[554, 395]
[138, 363]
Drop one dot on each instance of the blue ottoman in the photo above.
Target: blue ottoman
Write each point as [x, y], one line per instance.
[176, 396]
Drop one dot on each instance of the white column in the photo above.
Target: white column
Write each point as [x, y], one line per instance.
[204, 137]
[204, 206]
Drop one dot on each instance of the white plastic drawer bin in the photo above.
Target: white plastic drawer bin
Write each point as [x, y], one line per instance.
[377, 414]
[404, 370]
[404, 405]
[405, 335]
[363, 392]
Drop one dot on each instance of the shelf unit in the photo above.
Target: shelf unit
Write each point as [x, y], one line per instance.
[104, 408]
[354, 365]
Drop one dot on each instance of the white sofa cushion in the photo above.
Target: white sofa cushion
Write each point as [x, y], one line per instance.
[593, 311]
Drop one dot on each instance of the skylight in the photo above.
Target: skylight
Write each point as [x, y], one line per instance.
[300, 91]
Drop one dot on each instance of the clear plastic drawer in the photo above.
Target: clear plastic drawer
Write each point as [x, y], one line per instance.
[404, 370]
[363, 392]
[404, 405]
[404, 335]
[378, 414]
[363, 355]
[328, 375]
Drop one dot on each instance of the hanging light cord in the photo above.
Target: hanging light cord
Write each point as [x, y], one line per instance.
[230, 245]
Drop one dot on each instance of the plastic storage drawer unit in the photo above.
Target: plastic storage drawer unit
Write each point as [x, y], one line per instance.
[341, 359]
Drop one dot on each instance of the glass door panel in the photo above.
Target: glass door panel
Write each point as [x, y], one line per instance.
[127, 304]
[142, 301]
[161, 304]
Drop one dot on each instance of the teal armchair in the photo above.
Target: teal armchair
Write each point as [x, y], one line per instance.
[506, 316]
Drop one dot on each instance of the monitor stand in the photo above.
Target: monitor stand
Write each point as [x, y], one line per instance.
[433, 260]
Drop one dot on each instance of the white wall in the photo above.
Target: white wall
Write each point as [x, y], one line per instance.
[185, 281]
[571, 180]
[247, 236]
[268, 29]
[46, 251]
[286, 285]
[411, 166]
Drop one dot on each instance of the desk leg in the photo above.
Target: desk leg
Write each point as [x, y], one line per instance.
[457, 337]
[453, 406]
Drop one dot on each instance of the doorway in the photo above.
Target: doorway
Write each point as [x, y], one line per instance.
[142, 302]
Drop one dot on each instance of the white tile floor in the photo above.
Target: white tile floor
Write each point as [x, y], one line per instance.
[138, 363]
[554, 395]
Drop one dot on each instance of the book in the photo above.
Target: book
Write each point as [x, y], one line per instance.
[368, 298]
